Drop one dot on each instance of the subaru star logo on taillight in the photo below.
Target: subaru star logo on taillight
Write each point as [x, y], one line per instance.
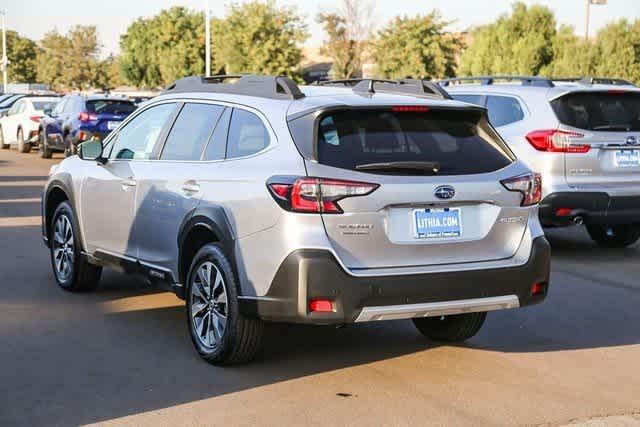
[632, 140]
[445, 192]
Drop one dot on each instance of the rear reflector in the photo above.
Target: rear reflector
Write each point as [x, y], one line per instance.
[556, 141]
[529, 185]
[564, 211]
[538, 289]
[321, 306]
[315, 195]
[87, 117]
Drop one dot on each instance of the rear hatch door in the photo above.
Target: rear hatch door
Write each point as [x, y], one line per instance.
[106, 114]
[604, 129]
[440, 199]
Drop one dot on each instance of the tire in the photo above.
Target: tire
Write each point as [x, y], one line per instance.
[614, 236]
[43, 145]
[23, 146]
[454, 328]
[220, 333]
[2, 144]
[70, 268]
[69, 148]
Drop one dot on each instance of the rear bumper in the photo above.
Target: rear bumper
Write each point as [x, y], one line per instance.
[591, 207]
[310, 274]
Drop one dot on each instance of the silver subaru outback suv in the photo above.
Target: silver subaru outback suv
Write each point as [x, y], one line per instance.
[257, 200]
[582, 135]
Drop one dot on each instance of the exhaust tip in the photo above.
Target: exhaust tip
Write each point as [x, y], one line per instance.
[578, 220]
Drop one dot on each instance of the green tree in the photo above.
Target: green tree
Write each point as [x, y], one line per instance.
[519, 43]
[348, 32]
[71, 60]
[618, 50]
[159, 50]
[259, 37]
[21, 53]
[572, 55]
[107, 73]
[416, 47]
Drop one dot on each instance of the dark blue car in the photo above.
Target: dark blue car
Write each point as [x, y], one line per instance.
[79, 118]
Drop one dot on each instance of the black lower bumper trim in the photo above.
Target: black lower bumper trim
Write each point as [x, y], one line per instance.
[310, 274]
[591, 207]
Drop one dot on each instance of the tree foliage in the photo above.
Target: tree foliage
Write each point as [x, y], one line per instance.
[70, 61]
[258, 37]
[348, 32]
[617, 48]
[416, 47]
[21, 53]
[158, 50]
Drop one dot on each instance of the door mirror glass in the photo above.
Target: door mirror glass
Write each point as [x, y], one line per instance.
[90, 150]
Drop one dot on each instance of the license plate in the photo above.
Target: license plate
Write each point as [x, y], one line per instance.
[437, 223]
[627, 158]
[112, 125]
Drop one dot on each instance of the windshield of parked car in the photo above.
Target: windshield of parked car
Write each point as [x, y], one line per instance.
[47, 105]
[614, 110]
[110, 106]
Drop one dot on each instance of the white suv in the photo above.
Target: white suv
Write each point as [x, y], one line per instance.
[20, 125]
[581, 135]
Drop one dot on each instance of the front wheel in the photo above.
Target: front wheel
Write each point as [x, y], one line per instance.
[71, 269]
[454, 328]
[23, 146]
[614, 236]
[221, 334]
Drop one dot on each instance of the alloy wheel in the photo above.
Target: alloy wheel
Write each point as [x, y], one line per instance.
[209, 304]
[63, 248]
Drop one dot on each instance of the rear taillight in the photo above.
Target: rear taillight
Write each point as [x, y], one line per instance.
[556, 141]
[35, 119]
[87, 117]
[529, 185]
[315, 195]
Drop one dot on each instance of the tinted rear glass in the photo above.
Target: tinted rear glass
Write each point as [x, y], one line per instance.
[504, 110]
[110, 106]
[604, 111]
[459, 141]
[45, 105]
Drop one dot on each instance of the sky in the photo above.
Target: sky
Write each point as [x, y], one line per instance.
[33, 18]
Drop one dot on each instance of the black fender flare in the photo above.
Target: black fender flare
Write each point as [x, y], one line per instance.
[64, 184]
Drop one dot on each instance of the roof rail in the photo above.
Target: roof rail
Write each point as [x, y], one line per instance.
[595, 80]
[274, 87]
[489, 80]
[409, 87]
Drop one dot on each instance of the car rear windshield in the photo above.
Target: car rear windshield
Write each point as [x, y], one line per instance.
[604, 111]
[44, 105]
[447, 142]
[110, 106]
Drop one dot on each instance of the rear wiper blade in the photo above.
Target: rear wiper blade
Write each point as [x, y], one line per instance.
[613, 127]
[430, 167]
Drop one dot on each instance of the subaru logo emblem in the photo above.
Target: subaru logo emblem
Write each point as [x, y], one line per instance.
[632, 140]
[445, 192]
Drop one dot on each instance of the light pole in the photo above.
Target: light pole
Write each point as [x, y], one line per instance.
[589, 3]
[207, 40]
[5, 61]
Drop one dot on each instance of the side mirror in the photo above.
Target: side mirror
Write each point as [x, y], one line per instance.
[91, 150]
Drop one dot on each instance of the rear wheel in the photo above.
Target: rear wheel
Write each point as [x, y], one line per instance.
[2, 144]
[614, 236]
[221, 334]
[70, 268]
[454, 328]
[45, 151]
[23, 146]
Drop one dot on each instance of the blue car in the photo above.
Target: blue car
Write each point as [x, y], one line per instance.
[79, 118]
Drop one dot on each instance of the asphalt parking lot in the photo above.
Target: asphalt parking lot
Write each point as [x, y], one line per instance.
[122, 354]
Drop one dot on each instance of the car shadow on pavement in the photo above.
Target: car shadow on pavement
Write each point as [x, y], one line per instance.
[12, 178]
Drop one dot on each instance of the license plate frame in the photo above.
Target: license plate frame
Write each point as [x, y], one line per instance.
[432, 226]
[631, 160]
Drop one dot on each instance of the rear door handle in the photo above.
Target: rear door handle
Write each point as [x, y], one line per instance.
[190, 187]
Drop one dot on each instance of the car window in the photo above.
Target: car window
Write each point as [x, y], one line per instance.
[60, 107]
[217, 144]
[504, 110]
[470, 99]
[612, 111]
[191, 131]
[16, 108]
[456, 142]
[247, 134]
[110, 106]
[137, 138]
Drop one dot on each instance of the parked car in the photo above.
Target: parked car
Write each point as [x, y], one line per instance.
[20, 125]
[582, 136]
[258, 200]
[78, 118]
[7, 102]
